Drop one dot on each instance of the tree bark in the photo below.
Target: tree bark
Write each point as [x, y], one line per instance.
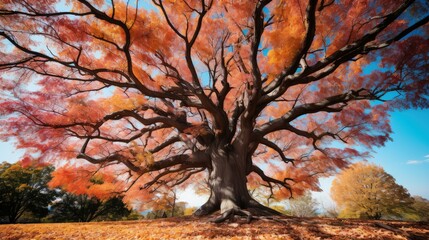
[228, 187]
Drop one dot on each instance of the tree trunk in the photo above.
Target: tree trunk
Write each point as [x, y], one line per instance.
[173, 208]
[227, 181]
[12, 219]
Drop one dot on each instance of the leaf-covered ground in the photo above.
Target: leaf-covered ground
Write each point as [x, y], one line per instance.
[189, 228]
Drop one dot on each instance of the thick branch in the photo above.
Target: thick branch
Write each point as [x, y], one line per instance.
[5, 12]
[258, 30]
[165, 144]
[401, 35]
[325, 105]
[196, 160]
[270, 180]
[276, 148]
[347, 53]
[126, 50]
[219, 116]
[310, 26]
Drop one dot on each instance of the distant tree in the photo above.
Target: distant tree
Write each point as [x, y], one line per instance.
[189, 211]
[304, 206]
[262, 194]
[114, 209]
[158, 213]
[281, 209]
[180, 208]
[165, 201]
[421, 209]
[24, 189]
[366, 191]
[83, 208]
[134, 215]
[330, 212]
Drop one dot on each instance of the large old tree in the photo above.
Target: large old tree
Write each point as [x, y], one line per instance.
[276, 93]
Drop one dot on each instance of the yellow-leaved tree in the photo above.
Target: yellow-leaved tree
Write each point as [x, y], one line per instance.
[365, 190]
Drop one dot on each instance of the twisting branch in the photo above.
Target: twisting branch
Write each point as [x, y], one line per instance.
[160, 4]
[224, 67]
[126, 50]
[276, 148]
[165, 144]
[258, 30]
[220, 116]
[69, 64]
[310, 135]
[34, 13]
[186, 175]
[423, 21]
[270, 180]
[324, 4]
[329, 64]
[310, 25]
[195, 160]
[327, 105]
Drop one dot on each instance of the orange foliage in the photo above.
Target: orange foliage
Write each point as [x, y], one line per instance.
[151, 93]
[86, 180]
[285, 39]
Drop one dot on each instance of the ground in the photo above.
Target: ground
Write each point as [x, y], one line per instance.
[191, 228]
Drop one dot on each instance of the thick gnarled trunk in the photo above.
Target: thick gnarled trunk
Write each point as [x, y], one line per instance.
[228, 186]
[227, 182]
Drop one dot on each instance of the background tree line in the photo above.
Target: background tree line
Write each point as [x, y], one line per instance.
[361, 191]
[26, 197]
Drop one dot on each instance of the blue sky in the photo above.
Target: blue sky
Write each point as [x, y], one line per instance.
[406, 157]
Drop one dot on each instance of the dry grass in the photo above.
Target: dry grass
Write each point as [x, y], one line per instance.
[190, 228]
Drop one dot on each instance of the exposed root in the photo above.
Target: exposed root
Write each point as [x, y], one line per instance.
[260, 210]
[229, 214]
[206, 209]
[253, 212]
[229, 210]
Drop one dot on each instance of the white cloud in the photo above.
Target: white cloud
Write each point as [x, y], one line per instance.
[414, 161]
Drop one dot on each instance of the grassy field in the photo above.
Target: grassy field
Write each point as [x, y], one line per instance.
[190, 228]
